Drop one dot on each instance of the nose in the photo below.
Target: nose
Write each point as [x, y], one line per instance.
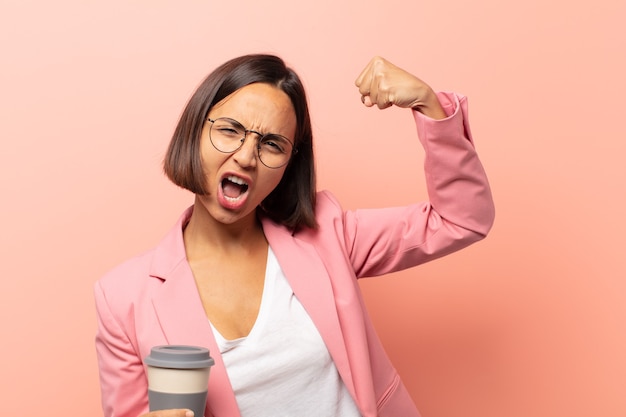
[247, 155]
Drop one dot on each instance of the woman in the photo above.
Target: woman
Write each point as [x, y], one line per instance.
[263, 270]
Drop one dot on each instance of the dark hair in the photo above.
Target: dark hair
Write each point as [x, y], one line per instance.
[292, 202]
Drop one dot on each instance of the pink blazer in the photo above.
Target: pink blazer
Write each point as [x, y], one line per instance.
[152, 299]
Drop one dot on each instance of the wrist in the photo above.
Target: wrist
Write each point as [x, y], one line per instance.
[431, 107]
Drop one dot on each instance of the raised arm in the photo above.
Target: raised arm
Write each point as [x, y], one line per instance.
[459, 210]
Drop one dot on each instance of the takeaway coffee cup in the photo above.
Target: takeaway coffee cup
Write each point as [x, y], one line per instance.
[178, 377]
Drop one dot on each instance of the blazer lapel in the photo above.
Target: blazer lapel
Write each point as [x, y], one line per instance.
[311, 284]
[182, 318]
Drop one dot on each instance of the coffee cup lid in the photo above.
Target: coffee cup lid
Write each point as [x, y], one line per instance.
[180, 357]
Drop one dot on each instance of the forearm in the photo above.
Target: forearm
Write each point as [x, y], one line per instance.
[456, 180]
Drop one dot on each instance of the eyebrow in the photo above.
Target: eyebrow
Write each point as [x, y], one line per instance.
[291, 141]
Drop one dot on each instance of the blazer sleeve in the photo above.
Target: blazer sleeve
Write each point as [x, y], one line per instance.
[122, 379]
[460, 209]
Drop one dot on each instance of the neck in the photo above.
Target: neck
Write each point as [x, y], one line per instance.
[203, 234]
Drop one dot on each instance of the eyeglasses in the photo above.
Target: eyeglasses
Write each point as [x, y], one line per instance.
[228, 135]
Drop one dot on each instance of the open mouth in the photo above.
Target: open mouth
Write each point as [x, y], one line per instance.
[233, 188]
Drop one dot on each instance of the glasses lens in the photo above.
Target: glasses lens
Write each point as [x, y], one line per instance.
[227, 135]
[274, 150]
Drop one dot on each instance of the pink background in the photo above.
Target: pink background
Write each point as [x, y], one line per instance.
[530, 322]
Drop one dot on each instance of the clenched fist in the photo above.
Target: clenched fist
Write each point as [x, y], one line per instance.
[383, 84]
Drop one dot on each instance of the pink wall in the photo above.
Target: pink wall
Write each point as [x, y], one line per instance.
[530, 322]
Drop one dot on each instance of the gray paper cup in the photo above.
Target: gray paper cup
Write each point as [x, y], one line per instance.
[178, 377]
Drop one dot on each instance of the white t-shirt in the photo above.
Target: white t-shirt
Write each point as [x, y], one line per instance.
[283, 368]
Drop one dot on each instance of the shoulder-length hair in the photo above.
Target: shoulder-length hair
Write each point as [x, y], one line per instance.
[292, 202]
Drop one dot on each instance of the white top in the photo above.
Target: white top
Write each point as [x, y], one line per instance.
[282, 368]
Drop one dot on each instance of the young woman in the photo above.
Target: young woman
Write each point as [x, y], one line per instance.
[263, 269]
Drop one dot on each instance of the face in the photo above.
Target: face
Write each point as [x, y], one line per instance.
[238, 182]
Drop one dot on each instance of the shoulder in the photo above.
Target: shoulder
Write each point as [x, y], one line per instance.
[135, 273]
[328, 212]
[128, 271]
[329, 216]
[122, 285]
[327, 205]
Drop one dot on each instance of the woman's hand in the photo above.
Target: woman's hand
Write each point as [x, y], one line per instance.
[169, 413]
[383, 84]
